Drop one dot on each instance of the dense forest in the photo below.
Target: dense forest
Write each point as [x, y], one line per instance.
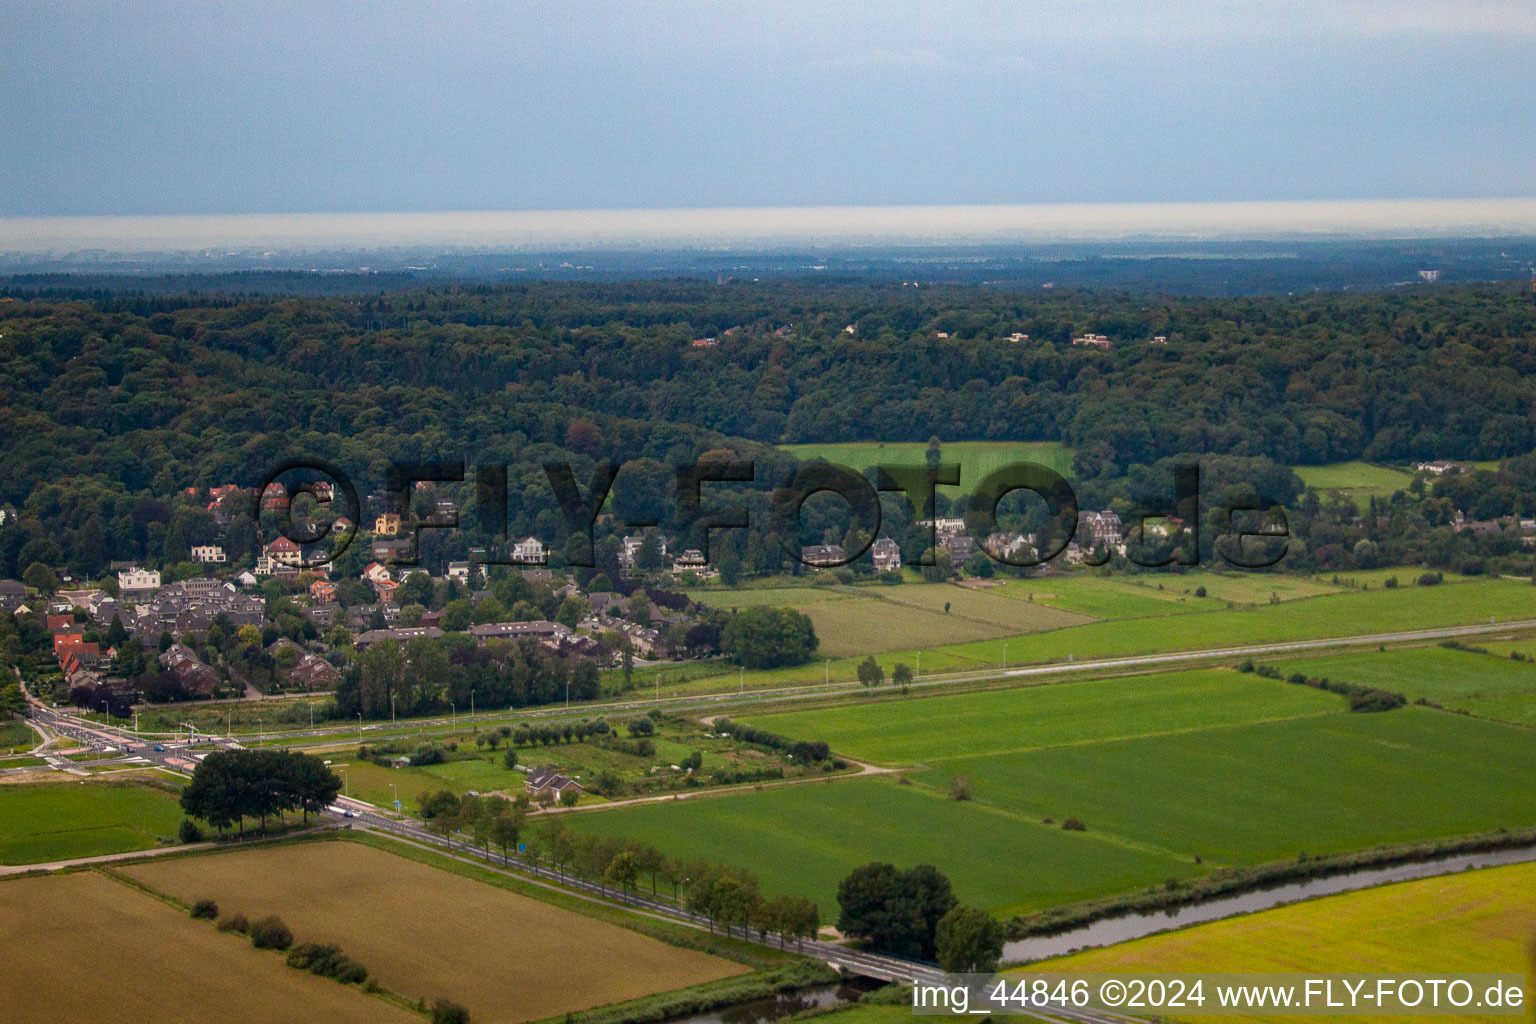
[111, 407]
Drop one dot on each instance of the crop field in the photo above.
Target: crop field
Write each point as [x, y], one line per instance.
[1359, 481]
[915, 730]
[48, 821]
[804, 839]
[976, 458]
[1471, 921]
[1436, 673]
[81, 947]
[1518, 708]
[1271, 790]
[430, 933]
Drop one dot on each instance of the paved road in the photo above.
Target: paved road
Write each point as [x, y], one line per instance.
[720, 702]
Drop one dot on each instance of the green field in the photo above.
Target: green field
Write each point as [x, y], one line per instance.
[778, 597]
[1439, 674]
[976, 458]
[15, 737]
[48, 821]
[1346, 614]
[1471, 921]
[805, 839]
[912, 730]
[1359, 481]
[852, 628]
[1269, 791]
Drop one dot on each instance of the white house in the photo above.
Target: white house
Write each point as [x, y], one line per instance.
[529, 550]
[458, 571]
[886, 554]
[137, 582]
[207, 553]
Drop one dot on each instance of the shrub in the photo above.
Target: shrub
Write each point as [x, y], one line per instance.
[429, 753]
[1391, 583]
[1200, 591]
[271, 933]
[235, 922]
[350, 972]
[189, 832]
[446, 1011]
[1073, 825]
[1429, 579]
[959, 788]
[205, 909]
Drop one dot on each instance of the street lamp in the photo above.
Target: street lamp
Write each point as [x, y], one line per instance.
[395, 798]
[261, 732]
[453, 710]
[345, 789]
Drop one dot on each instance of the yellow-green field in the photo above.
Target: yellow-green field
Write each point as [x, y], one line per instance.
[1478, 921]
[1359, 481]
[429, 933]
[976, 458]
[81, 947]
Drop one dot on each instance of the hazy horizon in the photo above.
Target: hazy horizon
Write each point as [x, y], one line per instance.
[769, 226]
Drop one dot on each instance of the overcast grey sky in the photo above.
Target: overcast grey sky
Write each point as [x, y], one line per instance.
[167, 108]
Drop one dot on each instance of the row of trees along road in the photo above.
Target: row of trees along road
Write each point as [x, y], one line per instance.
[232, 785]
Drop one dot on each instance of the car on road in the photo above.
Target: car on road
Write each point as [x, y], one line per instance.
[159, 749]
[348, 814]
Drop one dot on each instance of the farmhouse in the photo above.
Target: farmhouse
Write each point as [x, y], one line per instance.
[1436, 468]
[548, 781]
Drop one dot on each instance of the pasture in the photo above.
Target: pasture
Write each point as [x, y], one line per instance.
[423, 932]
[81, 947]
[921, 729]
[1473, 921]
[1358, 481]
[1439, 674]
[849, 629]
[804, 839]
[976, 458]
[1268, 791]
[48, 821]
[15, 737]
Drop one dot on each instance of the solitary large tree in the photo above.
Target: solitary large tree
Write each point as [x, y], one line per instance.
[896, 911]
[968, 940]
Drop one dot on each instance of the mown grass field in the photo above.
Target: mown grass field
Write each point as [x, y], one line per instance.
[870, 626]
[49, 821]
[1435, 673]
[1474, 921]
[81, 947]
[976, 458]
[429, 933]
[778, 597]
[1345, 614]
[1268, 791]
[920, 729]
[805, 839]
[1359, 481]
[989, 607]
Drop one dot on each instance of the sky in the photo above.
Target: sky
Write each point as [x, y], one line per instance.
[161, 108]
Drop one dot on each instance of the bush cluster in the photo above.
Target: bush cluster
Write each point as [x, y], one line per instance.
[804, 751]
[271, 933]
[205, 909]
[327, 962]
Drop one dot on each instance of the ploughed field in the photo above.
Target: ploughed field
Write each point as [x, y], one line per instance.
[1170, 775]
[82, 947]
[425, 932]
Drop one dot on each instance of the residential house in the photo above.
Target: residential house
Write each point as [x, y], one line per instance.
[208, 554]
[189, 670]
[823, 556]
[458, 571]
[363, 640]
[314, 673]
[549, 783]
[538, 629]
[529, 551]
[886, 554]
[1105, 528]
[1089, 338]
[942, 526]
[135, 584]
[12, 595]
[1439, 467]
[959, 545]
[387, 524]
